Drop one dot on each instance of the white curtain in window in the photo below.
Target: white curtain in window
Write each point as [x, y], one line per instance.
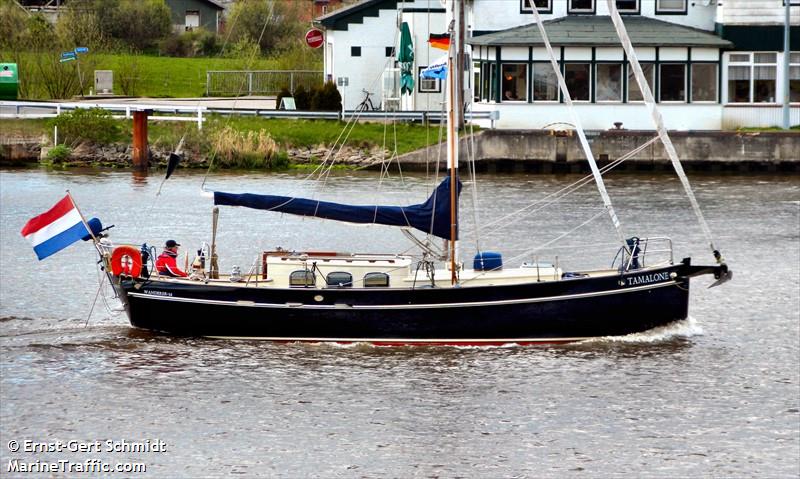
[738, 73]
[794, 73]
[764, 73]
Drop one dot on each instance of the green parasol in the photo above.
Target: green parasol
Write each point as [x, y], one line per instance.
[405, 57]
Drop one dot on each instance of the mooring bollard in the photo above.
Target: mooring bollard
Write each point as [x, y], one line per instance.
[140, 149]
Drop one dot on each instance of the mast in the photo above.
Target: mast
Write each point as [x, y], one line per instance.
[452, 136]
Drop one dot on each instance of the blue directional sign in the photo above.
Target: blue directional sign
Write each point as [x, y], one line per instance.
[81, 50]
[70, 55]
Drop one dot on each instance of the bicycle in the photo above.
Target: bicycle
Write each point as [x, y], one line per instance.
[366, 103]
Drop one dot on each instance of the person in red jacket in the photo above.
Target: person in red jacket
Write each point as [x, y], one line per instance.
[166, 263]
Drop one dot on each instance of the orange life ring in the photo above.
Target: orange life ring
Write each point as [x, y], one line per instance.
[126, 260]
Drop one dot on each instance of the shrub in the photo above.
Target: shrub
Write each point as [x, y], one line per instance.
[327, 99]
[59, 153]
[246, 149]
[94, 125]
[195, 43]
[302, 98]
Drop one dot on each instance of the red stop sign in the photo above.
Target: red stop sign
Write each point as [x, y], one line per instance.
[315, 38]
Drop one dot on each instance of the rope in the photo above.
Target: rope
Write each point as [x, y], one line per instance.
[658, 120]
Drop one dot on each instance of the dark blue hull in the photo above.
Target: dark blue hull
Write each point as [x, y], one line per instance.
[554, 311]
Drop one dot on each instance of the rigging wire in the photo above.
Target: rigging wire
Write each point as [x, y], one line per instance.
[565, 191]
[658, 120]
[579, 128]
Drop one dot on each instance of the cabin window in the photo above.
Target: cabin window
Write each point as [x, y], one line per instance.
[634, 93]
[609, 82]
[628, 6]
[543, 6]
[389, 51]
[752, 77]
[515, 84]
[704, 82]
[339, 279]
[672, 82]
[794, 77]
[376, 280]
[302, 278]
[578, 78]
[581, 6]
[428, 85]
[670, 6]
[355, 51]
[545, 82]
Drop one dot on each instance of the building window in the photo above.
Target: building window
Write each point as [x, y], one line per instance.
[578, 79]
[608, 83]
[670, 6]
[545, 82]
[634, 93]
[355, 51]
[389, 51]
[192, 20]
[428, 85]
[672, 81]
[476, 81]
[628, 6]
[751, 77]
[794, 78]
[764, 74]
[515, 84]
[581, 6]
[704, 82]
[493, 82]
[543, 6]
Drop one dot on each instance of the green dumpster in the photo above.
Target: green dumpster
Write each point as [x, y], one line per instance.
[9, 81]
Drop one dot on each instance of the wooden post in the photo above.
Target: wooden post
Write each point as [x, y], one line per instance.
[140, 149]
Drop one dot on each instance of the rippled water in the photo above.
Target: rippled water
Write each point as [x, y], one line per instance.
[713, 396]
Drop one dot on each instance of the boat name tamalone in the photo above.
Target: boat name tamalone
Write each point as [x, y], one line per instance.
[157, 293]
[648, 278]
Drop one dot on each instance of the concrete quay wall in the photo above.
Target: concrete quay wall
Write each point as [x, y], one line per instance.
[549, 151]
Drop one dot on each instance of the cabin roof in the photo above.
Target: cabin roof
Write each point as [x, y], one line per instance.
[592, 30]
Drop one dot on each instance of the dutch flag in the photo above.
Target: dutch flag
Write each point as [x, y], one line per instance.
[55, 229]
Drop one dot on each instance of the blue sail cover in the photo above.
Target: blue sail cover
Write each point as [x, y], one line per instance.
[433, 216]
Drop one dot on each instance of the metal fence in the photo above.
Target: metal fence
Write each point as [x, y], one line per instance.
[259, 82]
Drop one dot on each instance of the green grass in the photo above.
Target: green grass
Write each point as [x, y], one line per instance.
[286, 132]
[768, 128]
[158, 77]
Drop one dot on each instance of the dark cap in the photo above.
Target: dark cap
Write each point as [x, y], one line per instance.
[172, 243]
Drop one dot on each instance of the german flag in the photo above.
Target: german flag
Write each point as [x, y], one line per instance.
[440, 41]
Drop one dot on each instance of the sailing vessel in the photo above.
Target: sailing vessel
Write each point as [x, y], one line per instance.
[389, 299]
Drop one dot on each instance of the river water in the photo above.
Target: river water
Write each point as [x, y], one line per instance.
[716, 395]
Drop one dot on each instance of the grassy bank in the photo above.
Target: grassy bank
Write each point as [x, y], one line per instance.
[154, 76]
[286, 133]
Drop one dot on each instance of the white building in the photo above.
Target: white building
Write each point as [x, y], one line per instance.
[710, 65]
